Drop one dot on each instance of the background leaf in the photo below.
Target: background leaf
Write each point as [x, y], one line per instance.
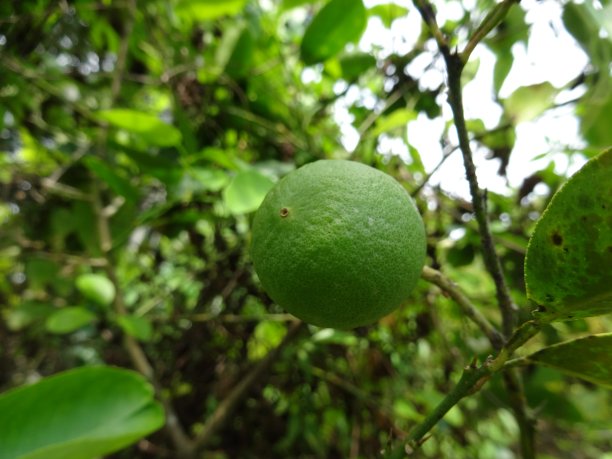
[528, 102]
[138, 327]
[97, 288]
[338, 23]
[388, 12]
[70, 319]
[206, 10]
[149, 127]
[568, 268]
[79, 414]
[246, 191]
[587, 358]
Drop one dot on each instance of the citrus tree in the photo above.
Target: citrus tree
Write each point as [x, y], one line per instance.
[139, 138]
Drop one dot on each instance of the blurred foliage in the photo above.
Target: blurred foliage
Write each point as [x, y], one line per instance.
[138, 136]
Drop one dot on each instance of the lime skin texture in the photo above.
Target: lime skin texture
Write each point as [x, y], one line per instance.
[338, 244]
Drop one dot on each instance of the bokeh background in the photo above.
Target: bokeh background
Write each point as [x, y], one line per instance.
[138, 137]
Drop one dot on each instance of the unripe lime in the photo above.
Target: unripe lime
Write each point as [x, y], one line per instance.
[338, 244]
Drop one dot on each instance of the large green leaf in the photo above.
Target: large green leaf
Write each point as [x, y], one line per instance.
[588, 358]
[339, 22]
[568, 268]
[246, 191]
[148, 127]
[79, 414]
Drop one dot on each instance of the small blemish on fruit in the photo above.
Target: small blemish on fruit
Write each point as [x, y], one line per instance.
[284, 212]
[556, 238]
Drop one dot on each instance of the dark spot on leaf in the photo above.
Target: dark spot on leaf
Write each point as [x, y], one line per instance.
[565, 250]
[284, 212]
[556, 238]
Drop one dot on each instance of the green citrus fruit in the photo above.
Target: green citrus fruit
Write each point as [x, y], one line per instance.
[338, 244]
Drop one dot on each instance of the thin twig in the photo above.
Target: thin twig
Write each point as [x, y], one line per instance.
[524, 417]
[437, 278]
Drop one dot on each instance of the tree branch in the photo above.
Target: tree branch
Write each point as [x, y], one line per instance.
[437, 278]
[507, 307]
[472, 379]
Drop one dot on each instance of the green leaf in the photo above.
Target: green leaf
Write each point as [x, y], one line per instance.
[148, 127]
[207, 10]
[106, 173]
[138, 327]
[595, 112]
[97, 288]
[338, 23]
[26, 313]
[79, 414]
[241, 59]
[388, 13]
[209, 179]
[267, 335]
[397, 119]
[290, 4]
[529, 102]
[503, 65]
[246, 191]
[67, 320]
[587, 358]
[568, 267]
[354, 65]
